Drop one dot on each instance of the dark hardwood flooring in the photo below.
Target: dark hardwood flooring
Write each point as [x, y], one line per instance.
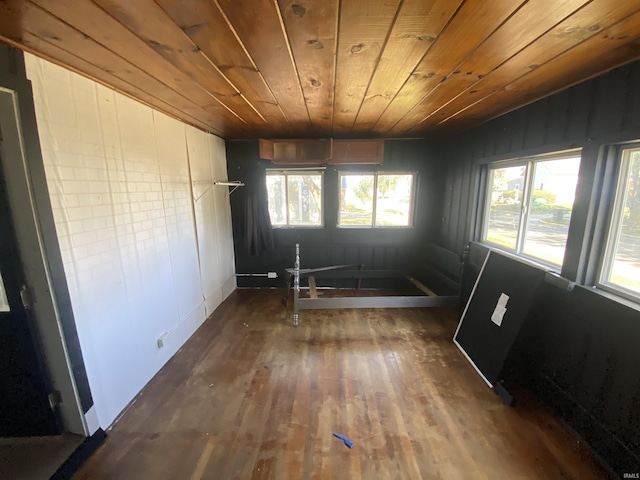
[252, 397]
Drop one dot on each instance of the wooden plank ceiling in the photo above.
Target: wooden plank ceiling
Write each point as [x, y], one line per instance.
[330, 68]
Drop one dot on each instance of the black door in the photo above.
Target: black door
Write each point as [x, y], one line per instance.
[25, 409]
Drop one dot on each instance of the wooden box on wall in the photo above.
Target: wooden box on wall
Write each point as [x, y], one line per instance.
[296, 152]
[357, 152]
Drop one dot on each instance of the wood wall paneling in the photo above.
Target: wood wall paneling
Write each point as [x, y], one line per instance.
[612, 94]
[632, 116]
[377, 248]
[557, 122]
[580, 362]
[589, 111]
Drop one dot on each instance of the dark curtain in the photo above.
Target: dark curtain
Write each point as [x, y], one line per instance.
[257, 232]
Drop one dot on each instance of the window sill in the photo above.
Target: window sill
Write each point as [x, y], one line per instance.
[297, 227]
[371, 227]
[534, 262]
[614, 295]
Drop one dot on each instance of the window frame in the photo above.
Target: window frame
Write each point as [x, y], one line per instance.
[613, 226]
[293, 172]
[376, 173]
[530, 164]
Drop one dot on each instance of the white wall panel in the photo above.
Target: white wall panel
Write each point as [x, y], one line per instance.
[200, 161]
[223, 214]
[141, 257]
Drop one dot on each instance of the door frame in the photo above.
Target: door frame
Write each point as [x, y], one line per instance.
[26, 184]
[29, 401]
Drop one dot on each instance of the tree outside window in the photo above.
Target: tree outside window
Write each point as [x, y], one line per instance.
[376, 199]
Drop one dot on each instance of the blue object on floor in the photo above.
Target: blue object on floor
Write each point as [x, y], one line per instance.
[346, 441]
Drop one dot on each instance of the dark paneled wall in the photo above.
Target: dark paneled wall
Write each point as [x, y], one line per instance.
[582, 345]
[591, 115]
[584, 348]
[380, 248]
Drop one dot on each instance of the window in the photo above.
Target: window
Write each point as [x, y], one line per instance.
[376, 199]
[295, 198]
[621, 265]
[529, 204]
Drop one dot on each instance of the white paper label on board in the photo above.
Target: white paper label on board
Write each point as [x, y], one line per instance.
[500, 310]
[502, 301]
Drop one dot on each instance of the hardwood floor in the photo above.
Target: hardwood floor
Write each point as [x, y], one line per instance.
[250, 396]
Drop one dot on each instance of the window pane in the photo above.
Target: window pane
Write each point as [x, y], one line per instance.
[4, 304]
[277, 199]
[393, 200]
[305, 200]
[624, 268]
[505, 197]
[550, 204]
[356, 200]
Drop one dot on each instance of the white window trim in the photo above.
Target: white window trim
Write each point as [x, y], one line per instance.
[299, 171]
[529, 163]
[614, 228]
[412, 203]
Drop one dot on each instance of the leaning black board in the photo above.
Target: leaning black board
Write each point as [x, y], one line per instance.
[485, 343]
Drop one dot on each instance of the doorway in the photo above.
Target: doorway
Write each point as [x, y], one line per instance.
[27, 206]
[26, 396]
[40, 360]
